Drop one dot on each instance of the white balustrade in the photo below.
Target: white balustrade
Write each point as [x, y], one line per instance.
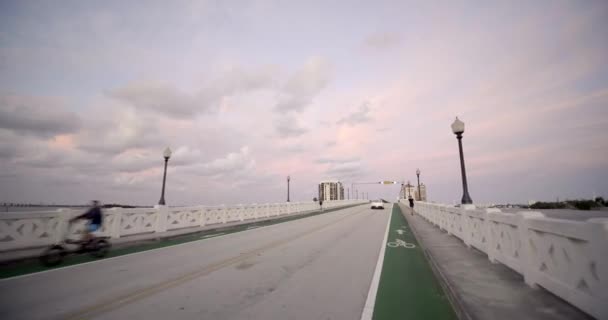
[568, 258]
[22, 230]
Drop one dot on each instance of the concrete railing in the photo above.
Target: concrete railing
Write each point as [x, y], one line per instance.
[568, 258]
[23, 230]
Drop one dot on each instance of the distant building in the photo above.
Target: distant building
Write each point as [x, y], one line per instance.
[331, 190]
[422, 192]
[409, 190]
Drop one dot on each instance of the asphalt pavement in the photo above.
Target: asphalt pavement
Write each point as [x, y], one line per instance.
[313, 268]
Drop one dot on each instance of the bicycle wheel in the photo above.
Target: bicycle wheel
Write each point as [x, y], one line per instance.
[100, 248]
[53, 255]
[409, 245]
[392, 244]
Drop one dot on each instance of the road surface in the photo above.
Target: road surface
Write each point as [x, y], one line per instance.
[314, 268]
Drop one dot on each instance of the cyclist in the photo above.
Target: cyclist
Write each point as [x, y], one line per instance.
[95, 220]
[411, 205]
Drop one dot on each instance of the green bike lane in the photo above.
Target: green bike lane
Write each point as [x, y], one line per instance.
[408, 288]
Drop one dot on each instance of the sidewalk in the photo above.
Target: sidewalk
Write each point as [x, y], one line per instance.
[479, 289]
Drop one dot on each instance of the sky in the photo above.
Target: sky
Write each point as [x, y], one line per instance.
[246, 93]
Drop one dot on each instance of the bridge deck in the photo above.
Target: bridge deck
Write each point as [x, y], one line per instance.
[319, 267]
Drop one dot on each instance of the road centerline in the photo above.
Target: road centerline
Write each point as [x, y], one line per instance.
[122, 300]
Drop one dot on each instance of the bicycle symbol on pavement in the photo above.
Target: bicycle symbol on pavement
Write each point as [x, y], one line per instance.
[401, 243]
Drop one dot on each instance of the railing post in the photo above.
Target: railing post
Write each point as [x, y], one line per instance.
[465, 225]
[256, 209]
[598, 240]
[489, 236]
[116, 223]
[202, 217]
[161, 218]
[224, 213]
[526, 251]
[62, 224]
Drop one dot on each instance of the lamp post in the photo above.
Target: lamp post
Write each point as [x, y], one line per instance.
[418, 175]
[166, 155]
[458, 129]
[288, 179]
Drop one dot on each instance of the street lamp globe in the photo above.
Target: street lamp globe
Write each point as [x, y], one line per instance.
[458, 127]
[418, 172]
[167, 153]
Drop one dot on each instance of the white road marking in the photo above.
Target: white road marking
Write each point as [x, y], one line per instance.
[400, 232]
[212, 235]
[368, 310]
[401, 243]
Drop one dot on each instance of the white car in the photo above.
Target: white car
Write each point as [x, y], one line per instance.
[377, 204]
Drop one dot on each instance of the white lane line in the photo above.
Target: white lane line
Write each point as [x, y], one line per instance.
[151, 250]
[212, 235]
[368, 310]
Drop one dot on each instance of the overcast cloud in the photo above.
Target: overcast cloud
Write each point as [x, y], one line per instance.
[247, 93]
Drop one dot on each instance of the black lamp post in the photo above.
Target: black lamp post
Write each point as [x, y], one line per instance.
[288, 179]
[458, 129]
[418, 175]
[166, 155]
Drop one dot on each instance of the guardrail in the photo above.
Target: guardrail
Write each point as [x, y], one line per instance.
[23, 230]
[568, 258]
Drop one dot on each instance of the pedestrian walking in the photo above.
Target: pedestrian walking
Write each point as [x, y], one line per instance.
[411, 205]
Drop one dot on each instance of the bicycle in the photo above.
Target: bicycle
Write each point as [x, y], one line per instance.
[401, 243]
[97, 247]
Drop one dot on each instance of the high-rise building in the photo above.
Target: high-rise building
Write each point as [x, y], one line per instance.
[422, 196]
[331, 190]
[409, 190]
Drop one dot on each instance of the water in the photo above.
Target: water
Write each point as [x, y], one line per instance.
[35, 209]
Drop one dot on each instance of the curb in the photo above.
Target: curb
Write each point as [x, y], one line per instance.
[452, 295]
